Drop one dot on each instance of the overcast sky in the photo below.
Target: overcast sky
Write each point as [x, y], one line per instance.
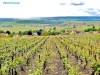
[49, 8]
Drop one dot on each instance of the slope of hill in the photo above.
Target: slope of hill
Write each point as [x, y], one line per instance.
[50, 20]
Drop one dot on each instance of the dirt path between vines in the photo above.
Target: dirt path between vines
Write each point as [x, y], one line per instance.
[32, 63]
[54, 64]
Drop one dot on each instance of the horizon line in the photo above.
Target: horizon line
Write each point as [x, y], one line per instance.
[44, 17]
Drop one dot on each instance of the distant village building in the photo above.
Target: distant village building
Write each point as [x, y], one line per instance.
[98, 31]
[91, 32]
[3, 35]
[22, 36]
[74, 31]
[95, 32]
[77, 32]
[34, 34]
[44, 27]
[74, 27]
[15, 35]
[86, 32]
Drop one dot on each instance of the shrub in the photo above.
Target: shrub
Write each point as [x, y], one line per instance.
[86, 30]
[63, 31]
[98, 29]
[54, 28]
[20, 33]
[35, 31]
[93, 27]
[1, 31]
[44, 33]
[90, 29]
[55, 33]
[11, 35]
[39, 33]
[8, 32]
[29, 32]
[41, 30]
[25, 32]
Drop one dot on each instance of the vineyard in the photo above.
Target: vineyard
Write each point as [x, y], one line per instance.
[50, 55]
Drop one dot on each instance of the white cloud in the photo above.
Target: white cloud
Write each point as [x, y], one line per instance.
[44, 8]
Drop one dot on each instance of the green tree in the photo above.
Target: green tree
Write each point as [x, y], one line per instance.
[29, 32]
[25, 32]
[1, 31]
[54, 28]
[93, 27]
[44, 33]
[35, 31]
[20, 33]
[50, 31]
[11, 35]
[8, 32]
[63, 31]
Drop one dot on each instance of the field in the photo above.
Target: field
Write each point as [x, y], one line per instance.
[16, 27]
[50, 55]
[58, 50]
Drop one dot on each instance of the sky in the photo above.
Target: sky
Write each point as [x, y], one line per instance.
[49, 8]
